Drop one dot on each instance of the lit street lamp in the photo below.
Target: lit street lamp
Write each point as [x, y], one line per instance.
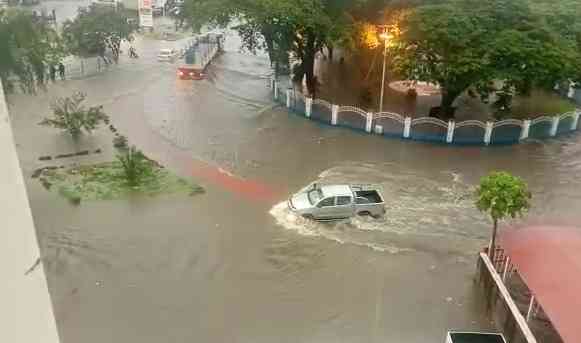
[386, 37]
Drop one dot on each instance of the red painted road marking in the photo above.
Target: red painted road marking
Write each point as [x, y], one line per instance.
[159, 149]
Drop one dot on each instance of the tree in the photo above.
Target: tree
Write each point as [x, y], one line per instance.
[98, 28]
[502, 195]
[135, 165]
[70, 115]
[284, 27]
[462, 44]
[27, 47]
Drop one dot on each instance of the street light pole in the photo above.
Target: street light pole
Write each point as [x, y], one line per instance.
[383, 76]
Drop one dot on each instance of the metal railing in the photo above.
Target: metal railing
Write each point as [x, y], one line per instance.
[500, 304]
[473, 132]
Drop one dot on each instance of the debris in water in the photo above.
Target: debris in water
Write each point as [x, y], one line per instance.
[449, 299]
[34, 266]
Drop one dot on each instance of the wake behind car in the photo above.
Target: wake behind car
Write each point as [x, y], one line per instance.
[330, 202]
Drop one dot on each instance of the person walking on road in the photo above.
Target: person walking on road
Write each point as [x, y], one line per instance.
[62, 70]
[132, 53]
[52, 72]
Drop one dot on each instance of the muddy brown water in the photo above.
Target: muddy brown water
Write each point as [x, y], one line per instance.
[223, 268]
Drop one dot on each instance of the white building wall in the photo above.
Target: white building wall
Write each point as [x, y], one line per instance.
[26, 313]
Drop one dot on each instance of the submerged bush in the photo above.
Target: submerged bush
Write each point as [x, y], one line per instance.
[135, 166]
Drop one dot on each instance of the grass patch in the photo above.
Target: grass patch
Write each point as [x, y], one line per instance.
[106, 181]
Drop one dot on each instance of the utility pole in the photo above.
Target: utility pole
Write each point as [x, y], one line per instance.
[388, 34]
[383, 76]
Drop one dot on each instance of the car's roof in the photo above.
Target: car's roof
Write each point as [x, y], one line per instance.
[336, 190]
[165, 50]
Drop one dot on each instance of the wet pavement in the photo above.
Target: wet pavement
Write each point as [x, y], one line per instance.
[234, 265]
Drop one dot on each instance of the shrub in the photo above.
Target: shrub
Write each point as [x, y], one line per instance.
[135, 166]
[70, 115]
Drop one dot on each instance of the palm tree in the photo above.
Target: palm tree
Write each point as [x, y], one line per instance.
[70, 115]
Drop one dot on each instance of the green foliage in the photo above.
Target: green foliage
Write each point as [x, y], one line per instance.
[27, 47]
[136, 167]
[469, 43]
[106, 181]
[502, 195]
[70, 115]
[299, 28]
[98, 28]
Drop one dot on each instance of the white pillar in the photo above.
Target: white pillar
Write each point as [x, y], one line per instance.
[575, 120]
[308, 107]
[407, 127]
[334, 114]
[526, 129]
[555, 126]
[488, 133]
[450, 135]
[369, 122]
[531, 305]
[506, 264]
[275, 90]
[288, 98]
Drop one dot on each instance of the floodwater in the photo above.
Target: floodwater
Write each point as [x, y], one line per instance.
[228, 267]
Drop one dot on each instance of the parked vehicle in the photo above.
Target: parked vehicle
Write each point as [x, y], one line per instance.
[474, 337]
[167, 55]
[330, 202]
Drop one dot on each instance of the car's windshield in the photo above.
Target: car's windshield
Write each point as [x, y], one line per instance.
[314, 196]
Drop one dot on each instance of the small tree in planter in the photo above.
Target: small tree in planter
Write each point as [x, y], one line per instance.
[502, 195]
[70, 115]
[135, 166]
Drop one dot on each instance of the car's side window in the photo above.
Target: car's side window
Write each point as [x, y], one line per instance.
[342, 201]
[327, 202]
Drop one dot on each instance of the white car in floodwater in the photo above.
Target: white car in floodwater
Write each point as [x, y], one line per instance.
[167, 55]
[331, 202]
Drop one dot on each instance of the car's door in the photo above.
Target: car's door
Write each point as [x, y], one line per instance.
[325, 208]
[343, 207]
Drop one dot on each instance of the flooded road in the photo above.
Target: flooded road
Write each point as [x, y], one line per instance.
[223, 267]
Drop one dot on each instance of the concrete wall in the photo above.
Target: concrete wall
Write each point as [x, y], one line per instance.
[26, 313]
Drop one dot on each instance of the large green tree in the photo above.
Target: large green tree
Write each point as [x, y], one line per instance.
[285, 28]
[460, 44]
[27, 47]
[98, 28]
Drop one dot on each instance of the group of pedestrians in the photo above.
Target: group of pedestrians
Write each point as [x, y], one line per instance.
[60, 68]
